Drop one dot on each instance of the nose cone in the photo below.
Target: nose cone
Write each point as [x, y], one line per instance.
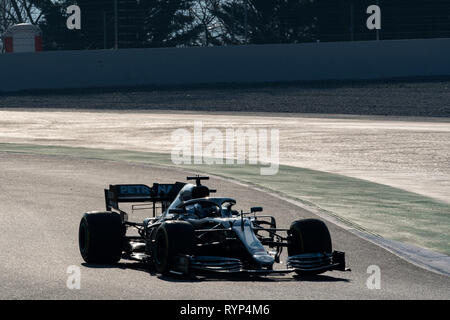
[251, 242]
[264, 259]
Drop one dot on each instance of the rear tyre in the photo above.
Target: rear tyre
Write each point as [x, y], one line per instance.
[309, 236]
[100, 237]
[170, 239]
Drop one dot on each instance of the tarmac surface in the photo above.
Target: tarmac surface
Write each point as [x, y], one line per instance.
[44, 197]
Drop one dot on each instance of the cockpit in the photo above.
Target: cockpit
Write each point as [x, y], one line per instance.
[209, 208]
[194, 202]
[203, 209]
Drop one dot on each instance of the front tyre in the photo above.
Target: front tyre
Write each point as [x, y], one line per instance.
[309, 236]
[100, 237]
[170, 239]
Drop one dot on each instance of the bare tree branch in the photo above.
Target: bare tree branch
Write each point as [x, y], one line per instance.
[17, 10]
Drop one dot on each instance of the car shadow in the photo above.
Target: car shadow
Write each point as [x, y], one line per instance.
[319, 278]
[137, 266]
[213, 276]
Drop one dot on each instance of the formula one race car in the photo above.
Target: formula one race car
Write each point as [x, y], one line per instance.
[191, 231]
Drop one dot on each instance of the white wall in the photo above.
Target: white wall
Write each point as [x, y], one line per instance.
[24, 42]
[253, 63]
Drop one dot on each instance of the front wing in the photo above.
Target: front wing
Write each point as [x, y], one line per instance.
[304, 263]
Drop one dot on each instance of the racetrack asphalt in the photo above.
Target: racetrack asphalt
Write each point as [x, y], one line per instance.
[43, 198]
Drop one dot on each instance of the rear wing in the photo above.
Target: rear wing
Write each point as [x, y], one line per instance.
[141, 193]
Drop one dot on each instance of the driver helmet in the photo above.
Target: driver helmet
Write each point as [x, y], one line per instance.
[199, 211]
[205, 211]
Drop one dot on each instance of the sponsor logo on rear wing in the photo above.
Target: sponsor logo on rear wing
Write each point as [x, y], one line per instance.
[140, 193]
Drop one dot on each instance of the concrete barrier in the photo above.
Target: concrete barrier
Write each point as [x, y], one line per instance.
[232, 64]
